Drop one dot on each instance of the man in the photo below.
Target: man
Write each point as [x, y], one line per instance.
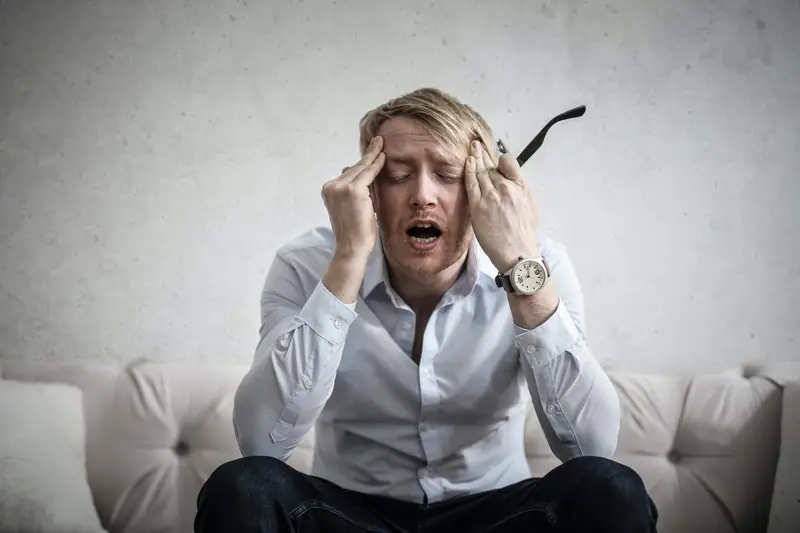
[397, 343]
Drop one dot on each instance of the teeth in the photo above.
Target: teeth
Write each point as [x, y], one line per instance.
[424, 240]
[424, 225]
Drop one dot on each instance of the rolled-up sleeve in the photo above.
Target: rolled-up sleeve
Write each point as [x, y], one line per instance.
[575, 401]
[294, 366]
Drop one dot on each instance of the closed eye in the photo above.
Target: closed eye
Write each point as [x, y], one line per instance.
[400, 177]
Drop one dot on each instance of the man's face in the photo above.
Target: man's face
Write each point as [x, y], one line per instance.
[421, 184]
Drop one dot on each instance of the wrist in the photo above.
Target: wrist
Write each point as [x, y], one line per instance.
[344, 276]
[355, 259]
[507, 261]
[530, 312]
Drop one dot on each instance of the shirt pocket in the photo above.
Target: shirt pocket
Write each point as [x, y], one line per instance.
[289, 416]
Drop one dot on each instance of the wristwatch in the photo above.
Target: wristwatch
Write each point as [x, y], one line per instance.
[526, 277]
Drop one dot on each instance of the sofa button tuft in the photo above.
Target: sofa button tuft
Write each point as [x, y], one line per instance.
[673, 456]
[181, 448]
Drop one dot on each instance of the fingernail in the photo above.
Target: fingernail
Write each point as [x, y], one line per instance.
[477, 146]
[372, 142]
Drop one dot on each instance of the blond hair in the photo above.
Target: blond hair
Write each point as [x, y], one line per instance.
[447, 119]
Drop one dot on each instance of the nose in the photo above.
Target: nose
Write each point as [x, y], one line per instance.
[424, 191]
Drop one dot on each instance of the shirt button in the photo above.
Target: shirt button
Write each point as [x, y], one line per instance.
[406, 325]
[551, 409]
[426, 373]
[530, 349]
[337, 324]
[307, 383]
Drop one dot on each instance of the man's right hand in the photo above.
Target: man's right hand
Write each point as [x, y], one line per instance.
[350, 207]
[353, 222]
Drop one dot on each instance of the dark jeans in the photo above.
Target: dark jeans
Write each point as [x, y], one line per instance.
[264, 495]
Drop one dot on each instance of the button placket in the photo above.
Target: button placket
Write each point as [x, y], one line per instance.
[429, 396]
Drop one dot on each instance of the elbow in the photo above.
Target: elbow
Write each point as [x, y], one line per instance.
[584, 443]
[600, 444]
[601, 437]
[252, 423]
[242, 426]
[244, 438]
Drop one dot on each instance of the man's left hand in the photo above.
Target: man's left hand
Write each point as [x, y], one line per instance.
[504, 215]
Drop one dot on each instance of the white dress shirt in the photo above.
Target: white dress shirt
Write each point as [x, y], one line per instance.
[450, 426]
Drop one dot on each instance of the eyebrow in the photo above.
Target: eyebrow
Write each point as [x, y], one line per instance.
[438, 159]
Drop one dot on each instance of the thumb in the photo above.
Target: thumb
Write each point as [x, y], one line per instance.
[509, 167]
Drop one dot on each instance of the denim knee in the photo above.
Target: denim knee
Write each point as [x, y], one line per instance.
[614, 488]
[606, 475]
[239, 476]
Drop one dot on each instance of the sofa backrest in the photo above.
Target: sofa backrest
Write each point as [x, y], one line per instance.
[706, 445]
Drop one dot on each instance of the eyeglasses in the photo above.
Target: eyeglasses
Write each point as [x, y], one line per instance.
[537, 141]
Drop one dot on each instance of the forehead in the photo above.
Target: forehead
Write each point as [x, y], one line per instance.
[405, 139]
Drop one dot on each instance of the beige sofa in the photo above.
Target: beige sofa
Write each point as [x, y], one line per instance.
[707, 446]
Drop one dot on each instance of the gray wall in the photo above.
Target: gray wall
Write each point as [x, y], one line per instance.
[155, 154]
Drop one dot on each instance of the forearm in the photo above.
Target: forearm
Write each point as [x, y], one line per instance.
[295, 367]
[282, 395]
[575, 401]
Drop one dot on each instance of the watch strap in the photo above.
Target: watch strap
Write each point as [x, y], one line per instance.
[503, 279]
[504, 282]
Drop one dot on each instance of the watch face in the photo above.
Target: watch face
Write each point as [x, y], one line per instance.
[528, 277]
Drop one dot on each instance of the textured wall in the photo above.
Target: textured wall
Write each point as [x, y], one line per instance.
[153, 155]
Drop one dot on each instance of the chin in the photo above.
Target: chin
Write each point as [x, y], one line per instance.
[424, 264]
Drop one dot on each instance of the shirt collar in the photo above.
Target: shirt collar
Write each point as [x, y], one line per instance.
[377, 271]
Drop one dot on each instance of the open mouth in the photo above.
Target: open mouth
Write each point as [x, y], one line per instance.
[424, 233]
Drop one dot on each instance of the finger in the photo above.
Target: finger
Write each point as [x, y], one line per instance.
[509, 167]
[481, 172]
[375, 147]
[494, 174]
[487, 159]
[367, 176]
[471, 181]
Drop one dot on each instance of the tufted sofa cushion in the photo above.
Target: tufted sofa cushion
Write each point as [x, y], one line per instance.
[155, 432]
[706, 446]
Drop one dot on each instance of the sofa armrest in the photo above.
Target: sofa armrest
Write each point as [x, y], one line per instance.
[785, 511]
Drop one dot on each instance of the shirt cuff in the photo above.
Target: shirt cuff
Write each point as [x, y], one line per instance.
[328, 316]
[550, 339]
